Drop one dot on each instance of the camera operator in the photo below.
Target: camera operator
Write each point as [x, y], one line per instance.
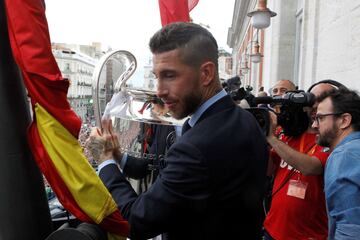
[298, 204]
[280, 88]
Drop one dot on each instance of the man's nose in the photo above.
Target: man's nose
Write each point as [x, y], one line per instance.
[161, 91]
[315, 124]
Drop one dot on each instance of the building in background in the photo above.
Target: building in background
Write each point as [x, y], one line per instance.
[149, 77]
[77, 63]
[306, 42]
[225, 65]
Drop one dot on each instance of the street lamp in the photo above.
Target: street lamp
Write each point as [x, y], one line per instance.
[256, 56]
[245, 69]
[261, 17]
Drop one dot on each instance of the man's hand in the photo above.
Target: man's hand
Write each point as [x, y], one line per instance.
[112, 142]
[273, 125]
[96, 145]
[104, 144]
[307, 165]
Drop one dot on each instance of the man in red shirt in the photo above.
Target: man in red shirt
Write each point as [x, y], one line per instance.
[298, 203]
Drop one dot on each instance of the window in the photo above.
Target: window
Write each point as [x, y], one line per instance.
[67, 66]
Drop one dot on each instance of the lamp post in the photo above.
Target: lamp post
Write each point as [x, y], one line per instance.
[261, 17]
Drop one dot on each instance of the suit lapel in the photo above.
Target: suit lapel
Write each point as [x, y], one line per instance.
[186, 126]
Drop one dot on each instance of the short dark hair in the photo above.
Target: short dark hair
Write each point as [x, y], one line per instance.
[345, 101]
[197, 44]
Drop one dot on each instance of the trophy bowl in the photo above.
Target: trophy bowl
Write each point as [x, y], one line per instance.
[129, 108]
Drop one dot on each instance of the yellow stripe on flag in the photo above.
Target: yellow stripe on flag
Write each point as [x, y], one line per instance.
[115, 237]
[67, 156]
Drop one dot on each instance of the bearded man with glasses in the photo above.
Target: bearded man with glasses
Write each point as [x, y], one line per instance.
[338, 123]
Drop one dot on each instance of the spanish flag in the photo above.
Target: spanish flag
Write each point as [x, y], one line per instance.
[176, 10]
[54, 131]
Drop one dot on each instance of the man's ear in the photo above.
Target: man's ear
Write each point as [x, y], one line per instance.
[207, 71]
[345, 121]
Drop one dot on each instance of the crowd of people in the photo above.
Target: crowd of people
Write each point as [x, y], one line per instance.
[83, 136]
[213, 183]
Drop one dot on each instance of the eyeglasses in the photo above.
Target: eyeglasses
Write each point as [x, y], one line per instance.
[320, 117]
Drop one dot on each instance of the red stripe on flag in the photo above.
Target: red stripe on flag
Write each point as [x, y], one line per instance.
[47, 168]
[116, 222]
[30, 43]
[192, 4]
[174, 11]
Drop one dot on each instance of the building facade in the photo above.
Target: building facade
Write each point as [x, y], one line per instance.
[225, 65]
[149, 77]
[76, 63]
[306, 42]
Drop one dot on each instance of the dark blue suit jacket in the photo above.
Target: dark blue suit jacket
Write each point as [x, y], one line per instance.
[212, 186]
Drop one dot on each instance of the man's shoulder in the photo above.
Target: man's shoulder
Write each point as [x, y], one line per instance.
[349, 148]
[228, 118]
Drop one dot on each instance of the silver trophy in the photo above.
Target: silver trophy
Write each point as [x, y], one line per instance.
[132, 110]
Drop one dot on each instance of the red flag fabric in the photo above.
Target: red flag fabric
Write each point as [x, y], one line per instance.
[54, 131]
[174, 11]
[192, 4]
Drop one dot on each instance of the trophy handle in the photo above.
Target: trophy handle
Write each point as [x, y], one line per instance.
[110, 76]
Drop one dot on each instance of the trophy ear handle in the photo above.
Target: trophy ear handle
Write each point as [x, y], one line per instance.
[110, 75]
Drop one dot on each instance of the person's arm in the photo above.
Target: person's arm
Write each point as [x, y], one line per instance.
[180, 191]
[307, 165]
[342, 192]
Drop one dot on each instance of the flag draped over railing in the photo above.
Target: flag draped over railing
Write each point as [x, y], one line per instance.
[175, 10]
[54, 131]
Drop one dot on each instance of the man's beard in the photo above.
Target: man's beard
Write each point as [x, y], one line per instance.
[327, 137]
[191, 103]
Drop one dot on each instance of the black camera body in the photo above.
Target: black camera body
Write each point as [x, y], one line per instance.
[292, 117]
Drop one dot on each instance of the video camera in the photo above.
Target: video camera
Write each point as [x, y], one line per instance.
[292, 118]
[237, 93]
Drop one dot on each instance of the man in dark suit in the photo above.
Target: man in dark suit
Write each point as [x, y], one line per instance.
[213, 183]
